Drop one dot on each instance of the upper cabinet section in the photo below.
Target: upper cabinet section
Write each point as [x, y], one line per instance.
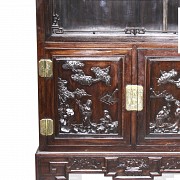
[104, 17]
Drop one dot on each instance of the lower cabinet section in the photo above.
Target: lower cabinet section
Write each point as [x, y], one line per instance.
[113, 111]
[58, 166]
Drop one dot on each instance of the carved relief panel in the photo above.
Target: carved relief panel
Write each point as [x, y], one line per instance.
[166, 120]
[88, 94]
[127, 166]
[162, 101]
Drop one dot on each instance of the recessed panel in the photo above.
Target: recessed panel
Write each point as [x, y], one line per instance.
[89, 95]
[164, 110]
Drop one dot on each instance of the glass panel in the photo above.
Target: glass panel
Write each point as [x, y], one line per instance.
[109, 15]
[173, 14]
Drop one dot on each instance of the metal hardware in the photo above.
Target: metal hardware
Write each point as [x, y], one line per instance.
[45, 68]
[135, 30]
[165, 15]
[134, 98]
[46, 127]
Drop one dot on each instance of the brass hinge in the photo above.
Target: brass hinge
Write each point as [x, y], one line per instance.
[45, 68]
[134, 98]
[46, 127]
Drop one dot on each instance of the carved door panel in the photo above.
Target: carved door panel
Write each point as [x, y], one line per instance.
[85, 98]
[158, 122]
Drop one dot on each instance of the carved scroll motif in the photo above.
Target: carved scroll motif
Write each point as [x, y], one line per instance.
[67, 113]
[168, 117]
[101, 74]
[135, 30]
[56, 29]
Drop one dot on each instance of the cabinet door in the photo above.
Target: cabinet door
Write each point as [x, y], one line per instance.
[158, 122]
[85, 99]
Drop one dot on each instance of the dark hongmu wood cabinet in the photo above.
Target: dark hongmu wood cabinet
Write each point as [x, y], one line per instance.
[109, 88]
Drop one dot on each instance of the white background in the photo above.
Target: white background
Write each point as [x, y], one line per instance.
[18, 90]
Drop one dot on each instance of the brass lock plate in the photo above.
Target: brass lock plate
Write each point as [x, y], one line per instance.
[134, 98]
[45, 68]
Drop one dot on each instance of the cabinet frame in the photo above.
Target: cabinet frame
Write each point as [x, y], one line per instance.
[133, 155]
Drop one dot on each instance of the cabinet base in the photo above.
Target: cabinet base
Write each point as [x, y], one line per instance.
[120, 166]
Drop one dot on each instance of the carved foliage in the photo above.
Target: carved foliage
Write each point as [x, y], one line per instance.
[101, 74]
[123, 166]
[133, 166]
[170, 163]
[142, 166]
[73, 65]
[81, 163]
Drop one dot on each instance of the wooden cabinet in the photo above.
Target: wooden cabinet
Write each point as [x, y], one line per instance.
[109, 88]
